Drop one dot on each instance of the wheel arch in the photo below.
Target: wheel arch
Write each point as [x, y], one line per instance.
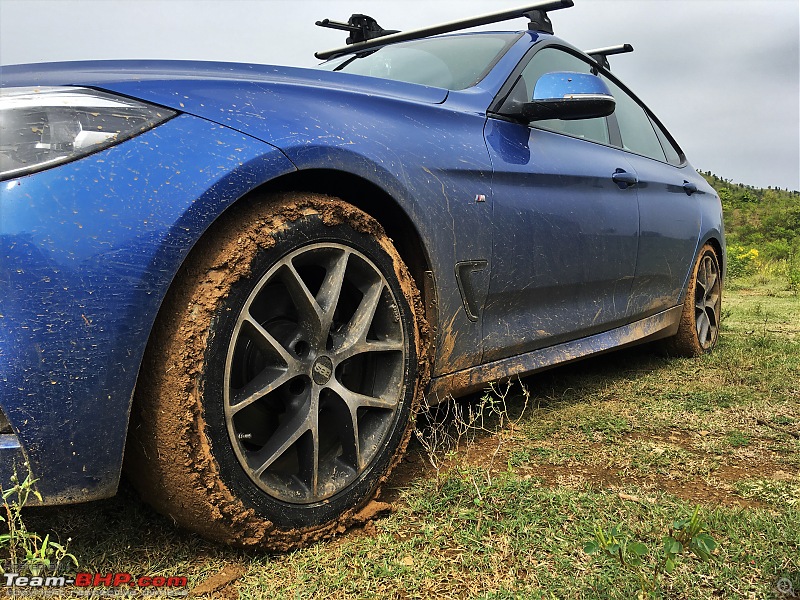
[373, 200]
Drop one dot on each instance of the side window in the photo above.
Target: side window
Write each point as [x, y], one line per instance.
[673, 154]
[635, 127]
[548, 60]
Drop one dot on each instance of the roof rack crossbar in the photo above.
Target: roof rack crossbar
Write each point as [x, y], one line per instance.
[600, 55]
[537, 23]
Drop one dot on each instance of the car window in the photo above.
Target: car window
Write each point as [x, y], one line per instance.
[451, 62]
[635, 126]
[672, 152]
[548, 60]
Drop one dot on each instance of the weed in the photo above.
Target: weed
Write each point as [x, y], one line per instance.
[687, 535]
[737, 439]
[39, 554]
[446, 428]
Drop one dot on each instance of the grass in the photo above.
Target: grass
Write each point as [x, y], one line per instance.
[632, 438]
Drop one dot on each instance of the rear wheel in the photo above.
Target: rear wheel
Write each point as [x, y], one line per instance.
[282, 377]
[699, 327]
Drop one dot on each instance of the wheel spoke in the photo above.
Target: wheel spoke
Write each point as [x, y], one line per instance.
[331, 288]
[356, 331]
[280, 441]
[268, 343]
[264, 383]
[355, 400]
[308, 453]
[711, 302]
[711, 281]
[306, 303]
[364, 346]
[703, 325]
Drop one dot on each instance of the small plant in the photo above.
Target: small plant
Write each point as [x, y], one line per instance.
[687, 535]
[23, 546]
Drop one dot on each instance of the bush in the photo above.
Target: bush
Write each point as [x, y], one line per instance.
[741, 261]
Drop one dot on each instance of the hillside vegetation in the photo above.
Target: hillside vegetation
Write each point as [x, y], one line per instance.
[762, 227]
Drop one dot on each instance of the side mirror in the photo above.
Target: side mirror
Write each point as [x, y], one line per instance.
[568, 96]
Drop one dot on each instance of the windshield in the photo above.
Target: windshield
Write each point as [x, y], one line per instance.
[452, 62]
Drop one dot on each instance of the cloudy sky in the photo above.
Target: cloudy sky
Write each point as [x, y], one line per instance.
[723, 75]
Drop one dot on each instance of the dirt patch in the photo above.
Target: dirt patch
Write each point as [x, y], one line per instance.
[492, 453]
[170, 458]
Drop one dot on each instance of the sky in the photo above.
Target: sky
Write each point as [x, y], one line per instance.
[722, 75]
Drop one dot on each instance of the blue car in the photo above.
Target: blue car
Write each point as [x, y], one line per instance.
[243, 279]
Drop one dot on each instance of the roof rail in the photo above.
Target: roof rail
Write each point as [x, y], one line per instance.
[600, 55]
[366, 37]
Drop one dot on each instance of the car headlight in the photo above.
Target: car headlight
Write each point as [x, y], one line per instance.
[46, 126]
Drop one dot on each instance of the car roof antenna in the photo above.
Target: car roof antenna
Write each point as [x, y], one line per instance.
[600, 55]
[361, 28]
[366, 33]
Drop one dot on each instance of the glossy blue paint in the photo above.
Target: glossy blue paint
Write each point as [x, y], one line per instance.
[90, 248]
[88, 251]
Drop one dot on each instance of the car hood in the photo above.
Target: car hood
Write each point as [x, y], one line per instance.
[233, 94]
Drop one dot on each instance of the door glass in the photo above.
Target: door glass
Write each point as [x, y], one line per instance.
[634, 125]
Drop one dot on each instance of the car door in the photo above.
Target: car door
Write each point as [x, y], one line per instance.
[669, 213]
[565, 233]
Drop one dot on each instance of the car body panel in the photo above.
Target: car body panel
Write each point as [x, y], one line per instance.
[558, 217]
[670, 229]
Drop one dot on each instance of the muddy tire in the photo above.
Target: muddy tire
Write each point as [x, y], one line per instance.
[279, 385]
[699, 327]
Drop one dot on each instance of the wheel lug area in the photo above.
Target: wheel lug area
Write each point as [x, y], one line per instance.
[302, 348]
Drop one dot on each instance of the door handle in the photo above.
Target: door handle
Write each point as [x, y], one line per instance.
[689, 187]
[624, 179]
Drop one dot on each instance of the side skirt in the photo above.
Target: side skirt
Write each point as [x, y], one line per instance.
[660, 325]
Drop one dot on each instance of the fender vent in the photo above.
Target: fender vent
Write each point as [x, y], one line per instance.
[5, 426]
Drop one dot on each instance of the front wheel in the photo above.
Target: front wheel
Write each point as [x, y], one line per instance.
[279, 388]
[699, 326]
